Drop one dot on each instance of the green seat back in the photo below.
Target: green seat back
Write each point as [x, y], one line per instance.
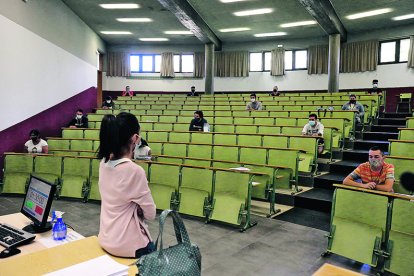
[48, 167]
[223, 128]
[269, 130]
[156, 148]
[403, 149]
[175, 149]
[225, 139]
[401, 165]
[249, 140]
[201, 137]
[72, 133]
[81, 145]
[167, 175]
[200, 151]
[286, 158]
[163, 126]
[275, 141]
[58, 144]
[75, 177]
[157, 136]
[18, 163]
[181, 127]
[223, 120]
[226, 153]
[91, 133]
[253, 155]
[243, 121]
[264, 121]
[286, 121]
[179, 137]
[94, 187]
[406, 134]
[246, 129]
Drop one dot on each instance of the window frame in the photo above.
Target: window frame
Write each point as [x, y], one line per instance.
[294, 60]
[397, 50]
[140, 60]
[262, 67]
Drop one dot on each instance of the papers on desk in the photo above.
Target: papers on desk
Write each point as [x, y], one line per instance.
[70, 237]
[241, 169]
[255, 183]
[101, 266]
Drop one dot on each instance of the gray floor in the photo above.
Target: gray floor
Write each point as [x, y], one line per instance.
[271, 248]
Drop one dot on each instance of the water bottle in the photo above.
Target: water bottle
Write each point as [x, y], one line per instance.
[59, 228]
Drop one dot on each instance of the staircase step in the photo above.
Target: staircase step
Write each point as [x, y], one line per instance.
[367, 144]
[391, 121]
[383, 136]
[342, 167]
[395, 115]
[315, 199]
[355, 155]
[386, 128]
[326, 181]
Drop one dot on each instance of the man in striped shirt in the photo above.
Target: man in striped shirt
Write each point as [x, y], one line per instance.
[374, 175]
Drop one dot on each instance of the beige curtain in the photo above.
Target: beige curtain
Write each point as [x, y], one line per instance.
[167, 65]
[277, 67]
[117, 65]
[410, 62]
[359, 56]
[199, 65]
[318, 58]
[231, 64]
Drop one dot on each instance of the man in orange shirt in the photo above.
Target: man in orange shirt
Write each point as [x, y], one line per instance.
[373, 175]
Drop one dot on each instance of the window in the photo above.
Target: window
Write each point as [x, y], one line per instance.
[296, 59]
[177, 64]
[187, 63]
[267, 61]
[256, 62]
[393, 51]
[145, 63]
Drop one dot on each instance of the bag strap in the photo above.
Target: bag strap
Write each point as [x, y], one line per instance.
[179, 228]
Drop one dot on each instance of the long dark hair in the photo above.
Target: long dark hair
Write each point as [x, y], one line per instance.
[115, 134]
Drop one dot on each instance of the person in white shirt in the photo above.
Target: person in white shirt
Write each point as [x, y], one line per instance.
[142, 150]
[314, 128]
[36, 144]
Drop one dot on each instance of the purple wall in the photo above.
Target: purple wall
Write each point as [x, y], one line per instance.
[49, 122]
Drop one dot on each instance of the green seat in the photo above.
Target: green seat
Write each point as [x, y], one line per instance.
[223, 120]
[175, 149]
[226, 153]
[200, 151]
[225, 139]
[231, 198]
[243, 120]
[269, 129]
[195, 191]
[163, 126]
[196, 162]
[401, 238]
[168, 119]
[181, 127]
[75, 177]
[94, 193]
[104, 111]
[249, 140]
[48, 168]
[76, 145]
[181, 137]
[223, 128]
[308, 159]
[285, 158]
[91, 133]
[356, 231]
[264, 121]
[157, 136]
[58, 144]
[72, 133]
[286, 121]
[406, 134]
[17, 170]
[246, 129]
[163, 183]
[156, 148]
[404, 149]
[253, 155]
[275, 141]
[201, 137]
[146, 126]
[401, 165]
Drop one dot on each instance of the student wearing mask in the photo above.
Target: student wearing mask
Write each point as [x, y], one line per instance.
[275, 92]
[142, 150]
[254, 104]
[315, 128]
[127, 92]
[198, 123]
[126, 200]
[108, 103]
[192, 93]
[354, 105]
[79, 121]
[374, 174]
[375, 89]
[36, 144]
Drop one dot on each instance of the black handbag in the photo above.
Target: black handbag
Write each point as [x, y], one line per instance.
[183, 259]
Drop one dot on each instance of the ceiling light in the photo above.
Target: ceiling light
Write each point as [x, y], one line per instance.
[115, 33]
[119, 6]
[368, 13]
[234, 30]
[252, 12]
[179, 32]
[154, 39]
[143, 19]
[403, 17]
[270, 34]
[299, 23]
[231, 1]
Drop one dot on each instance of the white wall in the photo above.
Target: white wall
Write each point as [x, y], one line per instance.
[35, 74]
[393, 75]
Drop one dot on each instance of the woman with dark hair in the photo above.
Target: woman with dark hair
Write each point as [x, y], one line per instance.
[142, 150]
[126, 197]
[198, 123]
[36, 144]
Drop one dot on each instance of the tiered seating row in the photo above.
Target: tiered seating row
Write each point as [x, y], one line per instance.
[359, 233]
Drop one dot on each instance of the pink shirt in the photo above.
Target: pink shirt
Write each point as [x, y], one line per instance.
[123, 186]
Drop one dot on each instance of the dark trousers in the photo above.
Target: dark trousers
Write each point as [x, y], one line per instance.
[146, 250]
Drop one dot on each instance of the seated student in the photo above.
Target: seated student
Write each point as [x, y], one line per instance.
[36, 144]
[79, 120]
[193, 93]
[253, 105]
[375, 89]
[108, 103]
[198, 123]
[353, 105]
[126, 200]
[127, 91]
[275, 92]
[374, 174]
[315, 128]
[142, 150]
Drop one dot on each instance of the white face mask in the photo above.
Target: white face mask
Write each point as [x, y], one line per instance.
[108, 101]
[375, 85]
[253, 100]
[78, 116]
[312, 123]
